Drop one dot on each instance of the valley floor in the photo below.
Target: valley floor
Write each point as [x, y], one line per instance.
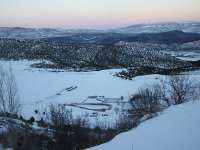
[89, 92]
[40, 87]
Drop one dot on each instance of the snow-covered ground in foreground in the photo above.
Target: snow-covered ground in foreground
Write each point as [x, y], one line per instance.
[1, 147]
[177, 128]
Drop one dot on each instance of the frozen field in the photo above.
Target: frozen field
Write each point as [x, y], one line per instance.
[39, 87]
[185, 55]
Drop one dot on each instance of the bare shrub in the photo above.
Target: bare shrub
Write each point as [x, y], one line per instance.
[178, 89]
[14, 105]
[3, 105]
[10, 106]
[126, 122]
[61, 119]
[9, 98]
[59, 116]
[69, 132]
[146, 101]
[173, 90]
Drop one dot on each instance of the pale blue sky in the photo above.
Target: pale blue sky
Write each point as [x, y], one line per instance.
[95, 13]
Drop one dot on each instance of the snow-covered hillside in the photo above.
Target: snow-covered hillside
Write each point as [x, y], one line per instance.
[82, 57]
[177, 128]
[161, 27]
[36, 33]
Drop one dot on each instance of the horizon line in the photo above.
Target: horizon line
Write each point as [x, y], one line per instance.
[122, 27]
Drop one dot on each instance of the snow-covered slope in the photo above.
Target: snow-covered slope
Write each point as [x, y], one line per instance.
[36, 33]
[178, 128]
[88, 57]
[161, 27]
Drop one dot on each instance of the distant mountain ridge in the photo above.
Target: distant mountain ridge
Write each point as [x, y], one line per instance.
[169, 37]
[96, 36]
[193, 27]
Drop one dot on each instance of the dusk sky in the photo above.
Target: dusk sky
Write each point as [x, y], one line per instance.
[95, 13]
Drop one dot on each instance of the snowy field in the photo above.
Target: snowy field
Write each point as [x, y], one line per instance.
[177, 128]
[185, 55]
[39, 87]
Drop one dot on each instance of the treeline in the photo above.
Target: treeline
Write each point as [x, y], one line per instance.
[85, 57]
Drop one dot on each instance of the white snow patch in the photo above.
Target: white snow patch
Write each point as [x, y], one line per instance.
[185, 55]
[178, 128]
